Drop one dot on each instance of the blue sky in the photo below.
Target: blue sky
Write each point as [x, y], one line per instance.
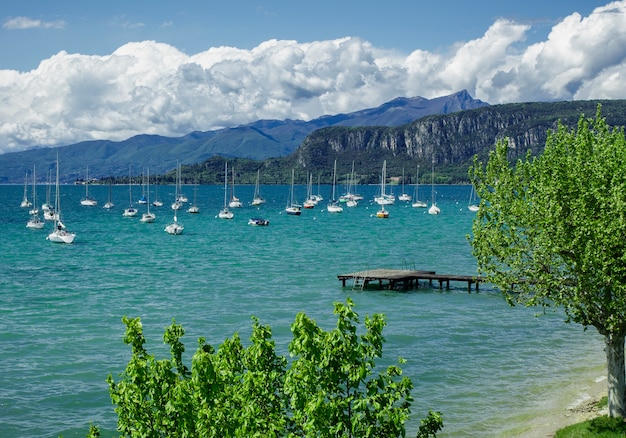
[98, 28]
[79, 70]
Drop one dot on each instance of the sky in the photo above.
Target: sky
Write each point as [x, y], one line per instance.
[72, 71]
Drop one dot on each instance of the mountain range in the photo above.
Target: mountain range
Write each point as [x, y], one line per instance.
[259, 140]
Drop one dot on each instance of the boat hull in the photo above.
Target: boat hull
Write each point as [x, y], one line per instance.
[434, 210]
[175, 229]
[35, 224]
[148, 218]
[61, 236]
[226, 214]
[258, 222]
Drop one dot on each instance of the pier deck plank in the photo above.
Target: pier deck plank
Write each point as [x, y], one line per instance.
[405, 279]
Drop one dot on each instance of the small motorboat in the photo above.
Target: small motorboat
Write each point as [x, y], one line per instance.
[257, 221]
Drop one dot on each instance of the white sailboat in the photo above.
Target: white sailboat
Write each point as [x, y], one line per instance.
[404, 196]
[225, 213]
[34, 222]
[130, 211]
[473, 202]
[143, 199]
[48, 209]
[384, 198]
[351, 199]
[178, 198]
[311, 200]
[333, 206]
[382, 213]
[87, 200]
[181, 198]
[109, 204]
[25, 202]
[156, 202]
[194, 208]
[59, 234]
[318, 198]
[175, 227]
[433, 207]
[234, 201]
[35, 210]
[47, 205]
[257, 199]
[417, 203]
[293, 208]
[148, 217]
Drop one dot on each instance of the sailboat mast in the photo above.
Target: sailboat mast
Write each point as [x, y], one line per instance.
[334, 180]
[57, 198]
[225, 183]
[432, 181]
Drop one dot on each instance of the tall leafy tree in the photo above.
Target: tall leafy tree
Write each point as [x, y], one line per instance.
[551, 231]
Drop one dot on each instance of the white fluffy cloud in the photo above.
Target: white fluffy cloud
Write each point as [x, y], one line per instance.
[149, 87]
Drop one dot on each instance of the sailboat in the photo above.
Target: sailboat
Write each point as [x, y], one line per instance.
[433, 208]
[257, 199]
[293, 208]
[417, 203]
[34, 221]
[35, 210]
[109, 204]
[174, 227]
[311, 200]
[194, 208]
[384, 198]
[148, 217]
[181, 198]
[130, 211]
[404, 196]
[234, 201]
[48, 209]
[25, 202]
[59, 234]
[472, 203]
[351, 199]
[333, 206]
[156, 202]
[178, 198]
[87, 200]
[46, 205]
[225, 213]
[382, 213]
[319, 196]
[143, 199]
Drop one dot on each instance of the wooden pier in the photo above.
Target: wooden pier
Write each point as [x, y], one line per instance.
[405, 279]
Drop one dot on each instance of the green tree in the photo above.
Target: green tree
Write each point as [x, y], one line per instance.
[551, 231]
[329, 390]
[330, 386]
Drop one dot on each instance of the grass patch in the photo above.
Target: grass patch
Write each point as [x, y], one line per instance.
[600, 427]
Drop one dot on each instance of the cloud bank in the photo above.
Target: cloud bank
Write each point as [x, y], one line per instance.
[154, 88]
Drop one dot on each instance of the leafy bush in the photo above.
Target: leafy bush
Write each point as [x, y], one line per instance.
[328, 390]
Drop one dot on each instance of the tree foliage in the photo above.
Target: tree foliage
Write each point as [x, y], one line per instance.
[550, 231]
[328, 388]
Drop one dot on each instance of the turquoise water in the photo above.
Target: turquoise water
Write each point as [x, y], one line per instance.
[485, 365]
